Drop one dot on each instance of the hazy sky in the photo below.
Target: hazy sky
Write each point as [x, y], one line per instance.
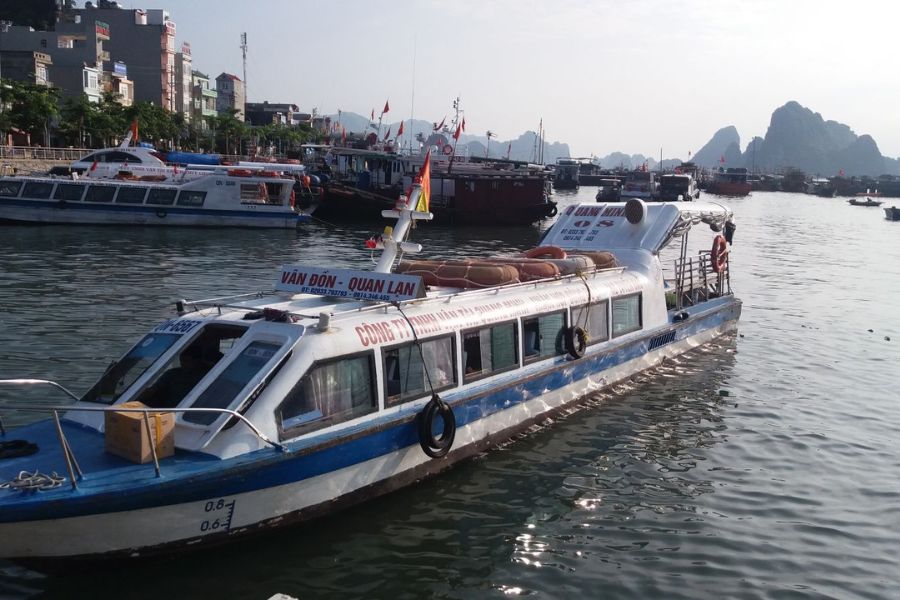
[627, 75]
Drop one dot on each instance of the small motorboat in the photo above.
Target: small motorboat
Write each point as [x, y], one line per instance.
[866, 202]
[892, 213]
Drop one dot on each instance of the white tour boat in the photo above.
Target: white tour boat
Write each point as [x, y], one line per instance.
[339, 384]
[131, 186]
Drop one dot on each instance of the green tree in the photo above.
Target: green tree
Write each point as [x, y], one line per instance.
[29, 107]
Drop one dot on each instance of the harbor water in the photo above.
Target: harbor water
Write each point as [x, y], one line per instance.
[764, 465]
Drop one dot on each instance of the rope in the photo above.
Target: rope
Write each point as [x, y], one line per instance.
[31, 482]
[587, 308]
[419, 345]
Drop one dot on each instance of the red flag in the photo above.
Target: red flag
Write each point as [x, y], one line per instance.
[175, 169]
[722, 160]
[94, 166]
[464, 124]
[438, 126]
[457, 132]
[400, 131]
[388, 134]
[424, 177]
[372, 118]
[386, 107]
[343, 134]
[134, 131]
[841, 173]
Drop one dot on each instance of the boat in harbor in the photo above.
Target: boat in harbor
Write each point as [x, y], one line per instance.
[866, 202]
[733, 181]
[362, 183]
[609, 189]
[640, 183]
[566, 174]
[268, 408]
[675, 187]
[892, 213]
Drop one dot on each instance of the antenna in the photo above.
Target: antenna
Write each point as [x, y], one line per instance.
[244, 53]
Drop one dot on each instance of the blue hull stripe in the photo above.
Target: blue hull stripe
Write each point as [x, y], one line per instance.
[146, 209]
[189, 479]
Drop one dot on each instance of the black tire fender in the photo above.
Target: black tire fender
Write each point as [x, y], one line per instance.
[576, 340]
[436, 446]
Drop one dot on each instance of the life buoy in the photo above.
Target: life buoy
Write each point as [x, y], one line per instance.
[267, 174]
[293, 199]
[718, 256]
[552, 212]
[576, 340]
[448, 149]
[240, 172]
[551, 251]
[436, 446]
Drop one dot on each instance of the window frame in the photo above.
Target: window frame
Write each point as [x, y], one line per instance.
[61, 186]
[190, 204]
[427, 391]
[21, 184]
[517, 347]
[591, 339]
[161, 189]
[640, 314]
[128, 187]
[36, 184]
[538, 357]
[325, 422]
[87, 195]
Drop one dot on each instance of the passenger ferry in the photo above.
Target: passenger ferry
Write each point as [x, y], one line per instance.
[131, 186]
[339, 385]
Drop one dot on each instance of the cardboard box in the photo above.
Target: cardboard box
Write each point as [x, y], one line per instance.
[126, 434]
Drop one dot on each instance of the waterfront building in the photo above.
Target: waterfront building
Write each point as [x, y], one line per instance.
[26, 65]
[264, 113]
[204, 98]
[230, 91]
[184, 81]
[117, 82]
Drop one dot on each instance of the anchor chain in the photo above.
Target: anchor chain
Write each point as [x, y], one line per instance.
[37, 481]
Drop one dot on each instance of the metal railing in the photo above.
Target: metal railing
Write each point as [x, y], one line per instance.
[695, 281]
[40, 153]
[72, 465]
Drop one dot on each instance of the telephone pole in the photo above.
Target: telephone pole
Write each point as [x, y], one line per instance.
[244, 53]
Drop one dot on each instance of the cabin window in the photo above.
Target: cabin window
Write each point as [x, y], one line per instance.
[120, 375]
[37, 189]
[10, 188]
[185, 370]
[186, 198]
[163, 197]
[100, 193]
[407, 376]
[593, 319]
[331, 392]
[114, 157]
[69, 191]
[273, 193]
[626, 314]
[131, 195]
[222, 392]
[542, 336]
[489, 350]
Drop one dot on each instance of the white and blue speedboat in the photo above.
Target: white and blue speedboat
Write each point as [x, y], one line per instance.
[340, 385]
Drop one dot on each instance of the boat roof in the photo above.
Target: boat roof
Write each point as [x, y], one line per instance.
[604, 226]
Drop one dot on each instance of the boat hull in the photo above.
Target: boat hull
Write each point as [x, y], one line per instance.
[21, 210]
[303, 483]
[729, 188]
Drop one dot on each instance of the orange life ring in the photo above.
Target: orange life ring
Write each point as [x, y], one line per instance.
[293, 199]
[448, 149]
[551, 251]
[718, 256]
[239, 172]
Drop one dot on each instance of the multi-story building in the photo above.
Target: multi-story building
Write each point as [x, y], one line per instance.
[118, 83]
[184, 88]
[145, 41]
[230, 91]
[203, 99]
[264, 113]
[26, 65]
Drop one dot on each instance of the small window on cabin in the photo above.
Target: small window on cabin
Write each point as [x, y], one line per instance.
[222, 392]
[253, 193]
[593, 319]
[626, 314]
[407, 376]
[10, 188]
[131, 195]
[542, 337]
[100, 193]
[69, 191]
[124, 157]
[331, 392]
[162, 197]
[191, 198]
[489, 350]
[37, 189]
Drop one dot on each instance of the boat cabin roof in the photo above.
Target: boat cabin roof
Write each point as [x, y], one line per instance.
[607, 227]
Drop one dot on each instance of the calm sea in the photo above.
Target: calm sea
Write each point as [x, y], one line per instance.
[765, 465]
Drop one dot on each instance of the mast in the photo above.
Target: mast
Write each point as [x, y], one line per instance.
[244, 53]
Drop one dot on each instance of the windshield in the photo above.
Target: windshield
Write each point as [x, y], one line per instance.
[120, 375]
